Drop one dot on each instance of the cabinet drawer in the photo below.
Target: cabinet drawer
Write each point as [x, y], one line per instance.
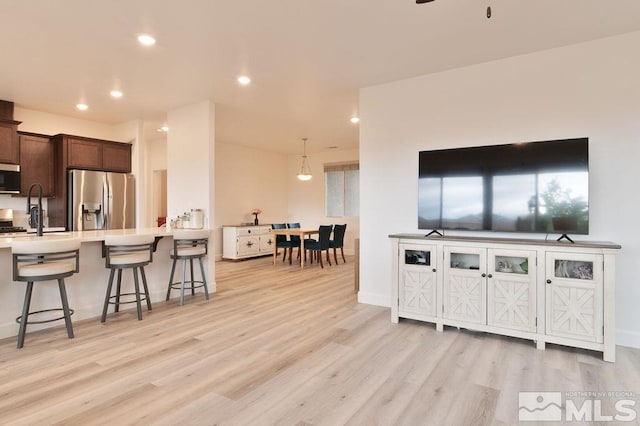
[247, 230]
[262, 230]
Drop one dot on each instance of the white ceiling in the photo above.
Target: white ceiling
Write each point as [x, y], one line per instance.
[307, 58]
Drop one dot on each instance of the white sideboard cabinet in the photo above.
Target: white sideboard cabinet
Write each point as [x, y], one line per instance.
[546, 291]
[240, 242]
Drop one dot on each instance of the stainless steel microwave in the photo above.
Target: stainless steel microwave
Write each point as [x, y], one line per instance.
[9, 179]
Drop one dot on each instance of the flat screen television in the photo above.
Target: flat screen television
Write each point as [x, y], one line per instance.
[540, 187]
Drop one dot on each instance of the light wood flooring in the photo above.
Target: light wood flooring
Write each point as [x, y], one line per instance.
[277, 345]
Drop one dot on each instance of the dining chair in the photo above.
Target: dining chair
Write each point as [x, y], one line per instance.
[281, 240]
[294, 241]
[317, 247]
[338, 241]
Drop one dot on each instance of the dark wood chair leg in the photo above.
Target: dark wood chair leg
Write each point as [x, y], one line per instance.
[342, 252]
[319, 255]
[290, 254]
[328, 258]
[335, 256]
[284, 256]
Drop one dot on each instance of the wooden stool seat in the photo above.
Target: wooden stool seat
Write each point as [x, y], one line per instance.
[187, 246]
[44, 260]
[127, 252]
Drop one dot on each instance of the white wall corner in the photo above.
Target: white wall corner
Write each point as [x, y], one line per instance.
[376, 299]
[628, 338]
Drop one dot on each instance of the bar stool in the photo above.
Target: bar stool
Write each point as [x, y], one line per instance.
[188, 245]
[44, 260]
[127, 252]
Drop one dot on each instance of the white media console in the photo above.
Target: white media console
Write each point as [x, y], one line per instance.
[546, 291]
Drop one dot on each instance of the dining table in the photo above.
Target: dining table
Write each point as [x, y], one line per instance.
[302, 233]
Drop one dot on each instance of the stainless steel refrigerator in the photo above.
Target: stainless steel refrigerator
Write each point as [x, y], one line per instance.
[100, 200]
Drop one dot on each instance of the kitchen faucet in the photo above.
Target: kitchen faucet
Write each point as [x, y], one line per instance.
[39, 214]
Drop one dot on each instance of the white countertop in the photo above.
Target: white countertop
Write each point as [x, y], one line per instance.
[88, 236]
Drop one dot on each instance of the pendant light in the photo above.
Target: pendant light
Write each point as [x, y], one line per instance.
[305, 169]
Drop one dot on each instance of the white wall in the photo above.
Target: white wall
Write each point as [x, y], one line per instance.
[248, 178]
[306, 199]
[245, 179]
[590, 89]
[53, 124]
[191, 166]
[155, 160]
[190, 157]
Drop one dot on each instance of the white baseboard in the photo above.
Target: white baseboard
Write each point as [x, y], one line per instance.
[374, 299]
[628, 338]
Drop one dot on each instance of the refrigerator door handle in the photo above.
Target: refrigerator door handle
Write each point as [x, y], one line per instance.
[106, 219]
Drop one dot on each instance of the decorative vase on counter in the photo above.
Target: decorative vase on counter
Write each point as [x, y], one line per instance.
[255, 212]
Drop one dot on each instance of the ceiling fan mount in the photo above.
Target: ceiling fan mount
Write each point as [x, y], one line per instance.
[429, 1]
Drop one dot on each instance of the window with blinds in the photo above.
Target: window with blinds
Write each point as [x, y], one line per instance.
[342, 189]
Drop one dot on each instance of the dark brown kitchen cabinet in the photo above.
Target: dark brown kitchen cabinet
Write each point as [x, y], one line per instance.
[84, 154]
[9, 147]
[116, 157]
[93, 154]
[36, 163]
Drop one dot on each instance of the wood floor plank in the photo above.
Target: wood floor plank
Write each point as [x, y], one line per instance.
[280, 345]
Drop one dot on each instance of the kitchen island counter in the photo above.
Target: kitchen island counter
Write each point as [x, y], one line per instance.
[86, 289]
[87, 236]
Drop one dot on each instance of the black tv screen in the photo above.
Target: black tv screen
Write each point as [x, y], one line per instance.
[538, 187]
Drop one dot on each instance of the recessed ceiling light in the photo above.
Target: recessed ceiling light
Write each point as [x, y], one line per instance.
[164, 128]
[355, 120]
[116, 93]
[244, 80]
[146, 40]
[82, 107]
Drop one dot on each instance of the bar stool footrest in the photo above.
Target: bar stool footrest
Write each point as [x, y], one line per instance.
[142, 299]
[18, 319]
[187, 285]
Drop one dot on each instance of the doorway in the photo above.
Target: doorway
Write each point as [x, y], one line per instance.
[159, 195]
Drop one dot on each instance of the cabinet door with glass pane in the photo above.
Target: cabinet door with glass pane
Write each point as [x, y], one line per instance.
[465, 284]
[574, 296]
[417, 280]
[511, 289]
